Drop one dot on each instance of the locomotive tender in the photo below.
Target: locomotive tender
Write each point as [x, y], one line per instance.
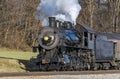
[65, 47]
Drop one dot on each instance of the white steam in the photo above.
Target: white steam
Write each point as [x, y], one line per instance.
[63, 10]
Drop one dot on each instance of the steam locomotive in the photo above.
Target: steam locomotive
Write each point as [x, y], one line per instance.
[67, 47]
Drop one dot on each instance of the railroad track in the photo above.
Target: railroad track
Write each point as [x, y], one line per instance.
[58, 73]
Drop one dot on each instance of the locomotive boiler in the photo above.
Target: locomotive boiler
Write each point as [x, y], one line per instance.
[65, 47]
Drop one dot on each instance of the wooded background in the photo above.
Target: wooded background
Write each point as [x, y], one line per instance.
[19, 28]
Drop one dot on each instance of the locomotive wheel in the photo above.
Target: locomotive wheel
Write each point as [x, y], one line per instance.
[48, 38]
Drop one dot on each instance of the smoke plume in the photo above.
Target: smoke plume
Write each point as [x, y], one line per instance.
[63, 10]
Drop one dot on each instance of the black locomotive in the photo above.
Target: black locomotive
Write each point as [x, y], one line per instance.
[66, 47]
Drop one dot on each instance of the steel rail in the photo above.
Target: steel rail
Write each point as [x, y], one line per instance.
[58, 73]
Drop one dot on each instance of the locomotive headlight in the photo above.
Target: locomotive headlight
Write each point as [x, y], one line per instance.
[46, 38]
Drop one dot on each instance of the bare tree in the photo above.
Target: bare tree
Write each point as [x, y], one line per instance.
[17, 22]
[91, 10]
[115, 12]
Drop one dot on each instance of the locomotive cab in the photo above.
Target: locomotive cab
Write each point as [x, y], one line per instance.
[88, 36]
[88, 40]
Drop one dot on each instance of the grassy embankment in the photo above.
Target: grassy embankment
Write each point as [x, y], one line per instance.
[9, 60]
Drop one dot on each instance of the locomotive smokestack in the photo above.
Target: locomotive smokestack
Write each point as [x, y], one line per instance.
[52, 22]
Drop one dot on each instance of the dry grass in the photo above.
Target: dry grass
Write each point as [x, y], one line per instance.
[8, 65]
